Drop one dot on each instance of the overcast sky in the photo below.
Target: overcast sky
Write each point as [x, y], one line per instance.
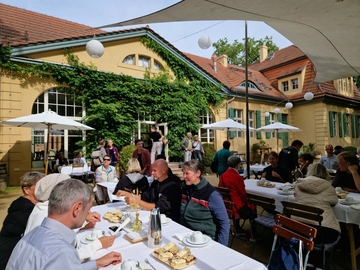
[183, 35]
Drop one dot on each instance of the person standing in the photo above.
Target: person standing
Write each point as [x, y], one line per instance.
[113, 152]
[48, 246]
[222, 157]
[330, 159]
[143, 156]
[186, 145]
[288, 157]
[97, 156]
[197, 148]
[163, 142]
[156, 144]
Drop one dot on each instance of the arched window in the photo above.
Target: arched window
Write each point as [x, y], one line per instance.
[130, 60]
[60, 140]
[144, 61]
[157, 65]
[250, 85]
[206, 135]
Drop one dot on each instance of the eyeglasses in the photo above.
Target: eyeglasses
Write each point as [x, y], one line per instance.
[107, 159]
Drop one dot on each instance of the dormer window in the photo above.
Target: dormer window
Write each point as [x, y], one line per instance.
[295, 83]
[345, 86]
[285, 86]
[250, 85]
[157, 65]
[130, 60]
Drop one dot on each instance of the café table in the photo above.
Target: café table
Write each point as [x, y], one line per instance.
[255, 169]
[344, 213]
[213, 256]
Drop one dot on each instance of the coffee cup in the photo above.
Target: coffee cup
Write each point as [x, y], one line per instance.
[338, 189]
[285, 190]
[129, 264]
[163, 218]
[197, 237]
[263, 179]
[349, 199]
[96, 233]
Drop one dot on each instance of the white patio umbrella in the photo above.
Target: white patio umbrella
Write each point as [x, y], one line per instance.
[278, 127]
[46, 120]
[228, 125]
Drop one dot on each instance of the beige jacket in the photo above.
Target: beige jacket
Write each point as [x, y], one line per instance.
[320, 193]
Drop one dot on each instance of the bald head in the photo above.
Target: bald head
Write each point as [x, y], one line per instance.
[160, 170]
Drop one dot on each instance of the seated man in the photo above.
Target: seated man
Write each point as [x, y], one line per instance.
[232, 180]
[348, 175]
[48, 246]
[164, 192]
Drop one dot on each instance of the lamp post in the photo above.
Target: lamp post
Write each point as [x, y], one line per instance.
[247, 104]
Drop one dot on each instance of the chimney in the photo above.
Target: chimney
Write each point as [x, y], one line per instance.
[213, 58]
[223, 59]
[263, 53]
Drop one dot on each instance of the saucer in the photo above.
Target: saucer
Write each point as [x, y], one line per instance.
[344, 202]
[285, 193]
[187, 241]
[142, 265]
[168, 220]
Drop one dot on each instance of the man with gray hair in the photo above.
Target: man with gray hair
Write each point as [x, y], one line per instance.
[48, 246]
[329, 160]
[186, 145]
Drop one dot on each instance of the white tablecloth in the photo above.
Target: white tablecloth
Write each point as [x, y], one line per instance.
[255, 168]
[70, 170]
[214, 256]
[343, 213]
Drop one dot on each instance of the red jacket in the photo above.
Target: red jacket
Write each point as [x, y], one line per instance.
[232, 180]
[145, 160]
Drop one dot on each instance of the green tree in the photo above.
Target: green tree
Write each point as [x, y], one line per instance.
[236, 50]
[357, 81]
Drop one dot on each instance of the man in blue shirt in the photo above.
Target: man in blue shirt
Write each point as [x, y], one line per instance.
[329, 160]
[48, 246]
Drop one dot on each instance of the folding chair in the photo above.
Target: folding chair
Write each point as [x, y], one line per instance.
[225, 193]
[288, 228]
[312, 213]
[77, 170]
[266, 217]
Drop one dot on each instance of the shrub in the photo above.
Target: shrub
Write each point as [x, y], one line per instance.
[125, 155]
[351, 149]
[209, 153]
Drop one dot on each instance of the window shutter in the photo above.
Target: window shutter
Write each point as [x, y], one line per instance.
[231, 115]
[346, 125]
[340, 124]
[331, 123]
[267, 122]
[279, 119]
[258, 124]
[353, 126]
[357, 126]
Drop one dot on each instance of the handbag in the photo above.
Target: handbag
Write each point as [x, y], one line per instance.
[214, 165]
[287, 256]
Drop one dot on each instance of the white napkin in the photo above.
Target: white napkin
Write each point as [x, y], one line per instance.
[355, 206]
[181, 236]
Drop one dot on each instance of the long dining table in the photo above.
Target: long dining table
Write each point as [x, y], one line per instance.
[212, 256]
[344, 213]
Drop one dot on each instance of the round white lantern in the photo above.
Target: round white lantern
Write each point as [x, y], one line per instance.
[267, 114]
[94, 48]
[308, 96]
[288, 105]
[204, 42]
[276, 110]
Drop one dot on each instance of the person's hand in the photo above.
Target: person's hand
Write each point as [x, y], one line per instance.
[263, 175]
[353, 168]
[93, 217]
[107, 241]
[88, 226]
[110, 258]
[132, 199]
[275, 174]
[123, 193]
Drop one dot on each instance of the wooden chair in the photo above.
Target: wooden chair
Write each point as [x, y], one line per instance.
[311, 213]
[224, 192]
[266, 217]
[288, 228]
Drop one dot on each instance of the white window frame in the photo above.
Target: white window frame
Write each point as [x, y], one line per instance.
[251, 123]
[144, 61]
[285, 86]
[205, 119]
[238, 117]
[295, 83]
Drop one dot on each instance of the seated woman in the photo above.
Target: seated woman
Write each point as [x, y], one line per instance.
[232, 180]
[315, 189]
[275, 172]
[18, 213]
[133, 179]
[61, 161]
[104, 173]
[202, 207]
[79, 158]
[304, 161]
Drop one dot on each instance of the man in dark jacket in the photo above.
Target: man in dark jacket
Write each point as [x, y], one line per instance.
[288, 157]
[164, 192]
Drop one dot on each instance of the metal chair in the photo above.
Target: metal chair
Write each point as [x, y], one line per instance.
[311, 213]
[288, 228]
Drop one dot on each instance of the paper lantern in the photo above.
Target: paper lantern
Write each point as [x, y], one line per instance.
[204, 42]
[308, 96]
[95, 48]
[288, 105]
[276, 110]
[267, 114]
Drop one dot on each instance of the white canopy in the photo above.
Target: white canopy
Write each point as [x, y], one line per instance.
[227, 124]
[326, 31]
[279, 127]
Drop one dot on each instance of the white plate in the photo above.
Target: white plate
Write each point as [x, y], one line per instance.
[349, 203]
[285, 193]
[142, 265]
[116, 198]
[189, 243]
[167, 222]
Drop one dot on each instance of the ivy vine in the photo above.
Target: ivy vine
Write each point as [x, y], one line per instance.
[113, 102]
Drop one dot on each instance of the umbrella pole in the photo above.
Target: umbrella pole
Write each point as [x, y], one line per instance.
[247, 104]
[47, 151]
